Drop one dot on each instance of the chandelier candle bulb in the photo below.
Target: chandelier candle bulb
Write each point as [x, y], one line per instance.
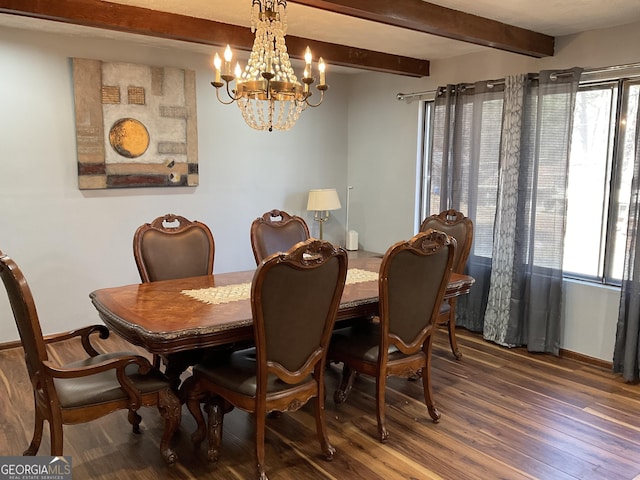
[228, 55]
[307, 61]
[321, 69]
[217, 63]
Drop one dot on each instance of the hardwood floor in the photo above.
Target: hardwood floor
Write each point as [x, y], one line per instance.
[506, 414]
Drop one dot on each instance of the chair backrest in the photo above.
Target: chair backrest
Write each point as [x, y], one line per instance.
[454, 223]
[413, 279]
[26, 317]
[173, 247]
[294, 300]
[276, 231]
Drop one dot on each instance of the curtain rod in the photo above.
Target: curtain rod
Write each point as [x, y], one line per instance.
[592, 71]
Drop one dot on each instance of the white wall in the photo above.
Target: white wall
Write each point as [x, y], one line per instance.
[70, 242]
[382, 162]
[382, 155]
[591, 313]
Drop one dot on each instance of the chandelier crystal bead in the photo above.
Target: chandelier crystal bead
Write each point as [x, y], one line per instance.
[267, 91]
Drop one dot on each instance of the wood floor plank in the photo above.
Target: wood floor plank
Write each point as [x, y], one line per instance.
[444, 440]
[366, 448]
[549, 421]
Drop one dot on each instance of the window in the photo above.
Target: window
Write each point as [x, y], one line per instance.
[600, 174]
[425, 139]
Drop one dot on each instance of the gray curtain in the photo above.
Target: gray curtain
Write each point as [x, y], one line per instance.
[525, 296]
[626, 354]
[496, 317]
[504, 159]
[463, 174]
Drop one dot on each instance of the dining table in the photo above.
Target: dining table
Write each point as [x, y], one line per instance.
[174, 318]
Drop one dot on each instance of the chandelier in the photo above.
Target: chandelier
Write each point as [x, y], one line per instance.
[267, 91]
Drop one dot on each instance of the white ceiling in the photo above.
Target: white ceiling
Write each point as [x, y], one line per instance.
[550, 17]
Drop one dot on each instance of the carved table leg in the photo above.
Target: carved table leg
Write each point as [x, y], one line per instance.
[170, 408]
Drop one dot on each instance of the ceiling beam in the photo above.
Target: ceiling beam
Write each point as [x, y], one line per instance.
[124, 18]
[445, 22]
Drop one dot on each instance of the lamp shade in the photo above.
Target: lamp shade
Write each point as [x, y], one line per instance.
[323, 199]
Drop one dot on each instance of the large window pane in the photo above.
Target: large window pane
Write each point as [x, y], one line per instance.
[600, 175]
[587, 189]
[488, 164]
[627, 146]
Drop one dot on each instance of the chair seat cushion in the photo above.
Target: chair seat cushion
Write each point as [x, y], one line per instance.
[361, 342]
[238, 374]
[104, 387]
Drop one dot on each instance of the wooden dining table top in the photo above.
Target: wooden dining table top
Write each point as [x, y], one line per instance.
[161, 318]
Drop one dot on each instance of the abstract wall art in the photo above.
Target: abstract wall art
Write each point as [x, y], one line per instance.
[136, 125]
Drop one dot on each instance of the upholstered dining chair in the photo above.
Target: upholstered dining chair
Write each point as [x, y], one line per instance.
[173, 247]
[276, 231]
[294, 302]
[460, 227]
[412, 281]
[89, 388]
[169, 247]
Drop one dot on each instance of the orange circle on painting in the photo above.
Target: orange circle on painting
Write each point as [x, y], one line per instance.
[129, 137]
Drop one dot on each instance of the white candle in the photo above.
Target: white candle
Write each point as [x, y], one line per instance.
[217, 63]
[307, 61]
[228, 55]
[321, 69]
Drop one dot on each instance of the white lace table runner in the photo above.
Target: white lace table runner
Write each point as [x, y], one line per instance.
[242, 291]
[356, 275]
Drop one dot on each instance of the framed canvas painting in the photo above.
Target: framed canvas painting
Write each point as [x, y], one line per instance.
[136, 125]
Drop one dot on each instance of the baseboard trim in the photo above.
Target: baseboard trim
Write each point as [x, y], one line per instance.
[596, 362]
[9, 345]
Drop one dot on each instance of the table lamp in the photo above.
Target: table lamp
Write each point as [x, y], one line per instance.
[321, 201]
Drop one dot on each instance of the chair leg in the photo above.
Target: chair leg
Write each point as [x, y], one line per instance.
[348, 376]
[170, 408]
[321, 425]
[452, 330]
[260, 425]
[55, 430]
[381, 385]
[215, 412]
[426, 384]
[134, 419]
[38, 427]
